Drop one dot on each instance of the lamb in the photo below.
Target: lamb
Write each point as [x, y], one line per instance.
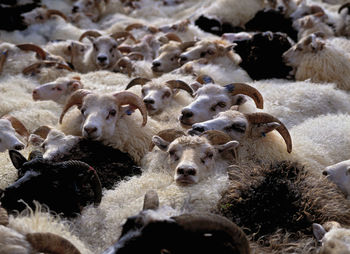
[103, 118]
[339, 174]
[190, 229]
[16, 242]
[283, 200]
[9, 125]
[316, 59]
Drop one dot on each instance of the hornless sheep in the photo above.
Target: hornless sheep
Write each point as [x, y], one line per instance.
[58, 90]
[283, 201]
[185, 233]
[339, 174]
[9, 125]
[103, 118]
[57, 185]
[12, 241]
[315, 58]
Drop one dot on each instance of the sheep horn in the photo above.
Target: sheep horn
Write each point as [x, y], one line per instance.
[135, 56]
[17, 125]
[216, 137]
[93, 177]
[173, 37]
[31, 68]
[42, 131]
[4, 218]
[204, 79]
[51, 243]
[315, 9]
[168, 135]
[37, 65]
[90, 33]
[133, 26]
[33, 47]
[125, 49]
[187, 44]
[137, 81]
[257, 118]
[3, 59]
[75, 99]
[153, 29]
[346, 5]
[125, 35]
[202, 222]
[151, 200]
[179, 84]
[56, 12]
[241, 88]
[126, 63]
[126, 97]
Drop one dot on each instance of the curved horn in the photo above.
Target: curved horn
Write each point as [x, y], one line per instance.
[42, 131]
[187, 44]
[29, 69]
[45, 63]
[153, 29]
[89, 33]
[4, 218]
[137, 81]
[241, 88]
[216, 137]
[126, 64]
[32, 47]
[17, 125]
[134, 26]
[125, 49]
[49, 13]
[3, 58]
[179, 84]
[51, 243]
[212, 223]
[168, 135]
[173, 37]
[62, 66]
[91, 175]
[135, 56]
[126, 97]
[346, 5]
[75, 99]
[125, 35]
[151, 201]
[256, 118]
[204, 79]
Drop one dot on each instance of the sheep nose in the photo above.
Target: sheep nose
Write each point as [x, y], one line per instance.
[325, 173]
[101, 58]
[90, 130]
[148, 101]
[75, 9]
[186, 171]
[19, 147]
[156, 64]
[186, 113]
[183, 58]
[280, 8]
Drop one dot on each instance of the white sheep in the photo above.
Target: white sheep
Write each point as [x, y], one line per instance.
[339, 174]
[9, 125]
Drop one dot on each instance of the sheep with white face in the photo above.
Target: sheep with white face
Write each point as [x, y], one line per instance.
[340, 174]
[9, 125]
[40, 15]
[193, 158]
[57, 91]
[210, 99]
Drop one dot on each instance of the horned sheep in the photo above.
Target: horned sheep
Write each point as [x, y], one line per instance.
[9, 125]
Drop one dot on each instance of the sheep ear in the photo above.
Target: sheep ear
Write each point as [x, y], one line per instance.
[318, 231]
[17, 159]
[266, 128]
[228, 146]
[73, 86]
[160, 143]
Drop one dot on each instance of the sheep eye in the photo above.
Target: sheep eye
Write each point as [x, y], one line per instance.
[43, 145]
[210, 52]
[111, 50]
[210, 155]
[82, 50]
[143, 92]
[222, 104]
[172, 154]
[0, 140]
[166, 94]
[82, 111]
[172, 59]
[69, 48]
[59, 89]
[112, 112]
[213, 108]
[202, 54]
[95, 47]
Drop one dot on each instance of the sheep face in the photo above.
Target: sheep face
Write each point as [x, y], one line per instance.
[209, 101]
[77, 51]
[100, 114]
[156, 97]
[91, 8]
[57, 90]
[38, 15]
[8, 139]
[104, 52]
[168, 59]
[282, 6]
[191, 158]
[339, 174]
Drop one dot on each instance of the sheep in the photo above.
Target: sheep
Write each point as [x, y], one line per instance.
[9, 125]
[342, 24]
[58, 91]
[286, 7]
[259, 143]
[103, 118]
[283, 200]
[50, 183]
[315, 58]
[212, 98]
[40, 15]
[16, 242]
[91, 8]
[338, 173]
[204, 233]
[261, 53]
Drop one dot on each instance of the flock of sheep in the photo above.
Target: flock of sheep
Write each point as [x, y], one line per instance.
[170, 126]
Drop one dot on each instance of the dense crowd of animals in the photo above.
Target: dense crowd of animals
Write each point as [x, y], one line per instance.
[169, 126]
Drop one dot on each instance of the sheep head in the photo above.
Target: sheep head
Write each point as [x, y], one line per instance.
[58, 90]
[192, 158]
[240, 126]
[40, 15]
[91, 8]
[100, 113]
[156, 96]
[211, 99]
[9, 125]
